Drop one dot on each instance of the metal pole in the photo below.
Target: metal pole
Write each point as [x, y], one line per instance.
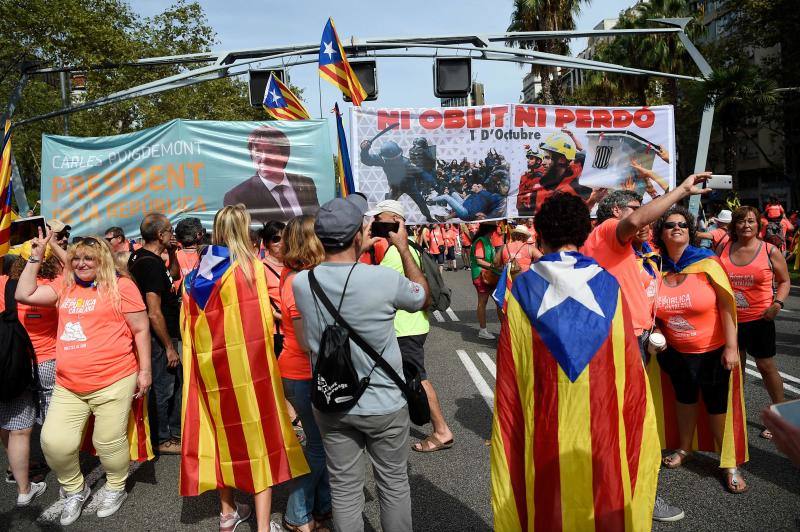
[64, 99]
[319, 92]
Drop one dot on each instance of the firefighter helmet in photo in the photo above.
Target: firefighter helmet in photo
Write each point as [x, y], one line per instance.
[560, 143]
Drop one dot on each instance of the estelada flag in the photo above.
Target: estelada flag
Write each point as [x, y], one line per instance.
[574, 433]
[281, 103]
[235, 429]
[141, 448]
[6, 214]
[735, 449]
[334, 67]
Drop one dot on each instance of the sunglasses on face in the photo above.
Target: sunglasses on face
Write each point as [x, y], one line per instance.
[275, 239]
[673, 225]
[62, 235]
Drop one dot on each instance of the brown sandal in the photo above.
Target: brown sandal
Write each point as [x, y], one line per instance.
[432, 440]
[676, 459]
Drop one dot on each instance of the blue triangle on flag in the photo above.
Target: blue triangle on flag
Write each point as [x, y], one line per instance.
[214, 262]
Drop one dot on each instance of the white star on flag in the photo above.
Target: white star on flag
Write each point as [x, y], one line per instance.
[564, 280]
[275, 96]
[329, 50]
[207, 265]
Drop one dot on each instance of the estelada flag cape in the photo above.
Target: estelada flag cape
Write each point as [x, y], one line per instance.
[235, 429]
[574, 433]
[734, 441]
[141, 448]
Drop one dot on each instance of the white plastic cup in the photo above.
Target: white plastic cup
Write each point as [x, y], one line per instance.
[656, 343]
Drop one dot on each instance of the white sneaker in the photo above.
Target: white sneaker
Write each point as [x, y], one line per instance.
[73, 505]
[485, 334]
[36, 489]
[111, 501]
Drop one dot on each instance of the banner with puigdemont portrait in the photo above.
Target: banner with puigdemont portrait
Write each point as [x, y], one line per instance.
[503, 161]
[182, 168]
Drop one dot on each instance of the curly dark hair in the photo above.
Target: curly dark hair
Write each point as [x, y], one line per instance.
[659, 225]
[563, 219]
[50, 268]
[189, 231]
[616, 198]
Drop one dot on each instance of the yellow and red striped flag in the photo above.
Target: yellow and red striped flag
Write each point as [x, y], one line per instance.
[574, 433]
[334, 67]
[6, 215]
[141, 448]
[735, 450]
[281, 103]
[235, 428]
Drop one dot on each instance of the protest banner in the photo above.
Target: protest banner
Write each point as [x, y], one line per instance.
[187, 168]
[501, 161]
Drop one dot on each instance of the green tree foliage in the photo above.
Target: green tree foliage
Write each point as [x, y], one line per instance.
[545, 15]
[97, 33]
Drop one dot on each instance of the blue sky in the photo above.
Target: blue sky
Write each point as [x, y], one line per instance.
[402, 82]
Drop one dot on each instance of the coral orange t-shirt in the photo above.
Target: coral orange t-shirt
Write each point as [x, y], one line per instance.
[188, 259]
[293, 362]
[436, 240]
[94, 346]
[751, 282]
[450, 236]
[621, 262]
[688, 316]
[497, 237]
[273, 280]
[41, 323]
[519, 251]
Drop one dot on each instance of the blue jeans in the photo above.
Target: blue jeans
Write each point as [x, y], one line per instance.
[311, 494]
[455, 203]
[164, 402]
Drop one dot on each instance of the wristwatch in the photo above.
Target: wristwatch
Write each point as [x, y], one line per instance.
[779, 302]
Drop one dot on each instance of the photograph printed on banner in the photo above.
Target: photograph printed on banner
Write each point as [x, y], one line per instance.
[494, 162]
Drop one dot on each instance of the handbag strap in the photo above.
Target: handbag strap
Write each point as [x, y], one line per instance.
[359, 341]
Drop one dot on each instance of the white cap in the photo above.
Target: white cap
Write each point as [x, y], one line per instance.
[521, 229]
[388, 205]
[725, 216]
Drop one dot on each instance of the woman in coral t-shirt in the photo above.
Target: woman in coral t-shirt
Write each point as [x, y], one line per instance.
[698, 318]
[310, 500]
[760, 279]
[102, 360]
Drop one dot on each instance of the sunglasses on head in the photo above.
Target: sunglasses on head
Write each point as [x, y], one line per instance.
[673, 225]
[87, 241]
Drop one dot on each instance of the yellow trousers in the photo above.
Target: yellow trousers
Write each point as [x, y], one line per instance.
[66, 421]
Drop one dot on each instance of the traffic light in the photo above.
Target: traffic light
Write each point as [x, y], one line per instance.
[452, 77]
[257, 84]
[367, 74]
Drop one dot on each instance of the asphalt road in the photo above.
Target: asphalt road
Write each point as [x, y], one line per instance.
[450, 489]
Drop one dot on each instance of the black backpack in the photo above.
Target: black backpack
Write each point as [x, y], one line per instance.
[440, 293]
[335, 386]
[16, 350]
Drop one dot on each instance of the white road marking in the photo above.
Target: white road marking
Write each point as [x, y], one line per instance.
[451, 314]
[438, 316]
[477, 378]
[782, 374]
[53, 512]
[789, 387]
[489, 363]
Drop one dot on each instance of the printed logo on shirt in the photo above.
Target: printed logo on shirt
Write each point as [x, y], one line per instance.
[73, 332]
[681, 327]
[741, 301]
[78, 305]
[680, 302]
[742, 281]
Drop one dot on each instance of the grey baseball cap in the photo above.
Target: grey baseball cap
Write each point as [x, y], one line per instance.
[340, 219]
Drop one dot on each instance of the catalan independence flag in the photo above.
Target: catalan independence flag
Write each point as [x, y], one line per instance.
[281, 103]
[5, 191]
[735, 449]
[141, 447]
[236, 431]
[333, 65]
[574, 433]
[346, 184]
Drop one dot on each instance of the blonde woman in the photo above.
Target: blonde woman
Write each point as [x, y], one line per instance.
[102, 360]
[236, 432]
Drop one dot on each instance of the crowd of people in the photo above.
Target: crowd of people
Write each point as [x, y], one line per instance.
[112, 323]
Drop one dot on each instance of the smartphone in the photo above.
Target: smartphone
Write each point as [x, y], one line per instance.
[382, 229]
[719, 182]
[23, 229]
[790, 411]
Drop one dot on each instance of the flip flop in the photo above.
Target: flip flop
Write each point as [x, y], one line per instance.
[684, 456]
[437, 445]
[735, 481]
[766, 434]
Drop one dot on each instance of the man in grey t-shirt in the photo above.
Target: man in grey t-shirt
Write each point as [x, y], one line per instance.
[379, 422]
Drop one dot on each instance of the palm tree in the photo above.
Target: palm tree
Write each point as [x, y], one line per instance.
[545, 15]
